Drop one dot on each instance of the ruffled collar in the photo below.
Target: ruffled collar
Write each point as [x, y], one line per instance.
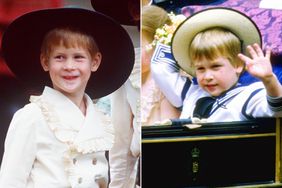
[81, 134]
[84, 134]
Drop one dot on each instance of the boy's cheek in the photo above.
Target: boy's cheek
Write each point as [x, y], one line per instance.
[199, 77]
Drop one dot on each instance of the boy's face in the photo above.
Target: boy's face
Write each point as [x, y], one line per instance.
[217, 76]
[70, 68]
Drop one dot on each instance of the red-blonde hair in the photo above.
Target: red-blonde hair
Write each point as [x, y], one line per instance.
[68, 37]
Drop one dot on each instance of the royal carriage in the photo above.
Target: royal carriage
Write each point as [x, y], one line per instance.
[222, 154]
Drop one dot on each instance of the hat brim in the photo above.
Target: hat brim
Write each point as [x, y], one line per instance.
[238, 23]
[22, 42]
[117, 9]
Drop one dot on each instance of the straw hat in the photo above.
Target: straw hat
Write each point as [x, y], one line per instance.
[238, 23]
[22, 42]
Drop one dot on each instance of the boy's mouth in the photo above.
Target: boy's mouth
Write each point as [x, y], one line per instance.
[211, 87]
[70, 77]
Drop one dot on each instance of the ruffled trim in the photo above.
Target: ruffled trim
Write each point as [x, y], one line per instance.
[54, 124]
[103, 143]
[62, 133]
[67, 136]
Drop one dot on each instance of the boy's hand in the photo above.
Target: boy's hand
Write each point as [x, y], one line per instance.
[258, 65]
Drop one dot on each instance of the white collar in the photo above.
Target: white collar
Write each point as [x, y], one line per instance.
[86, 134]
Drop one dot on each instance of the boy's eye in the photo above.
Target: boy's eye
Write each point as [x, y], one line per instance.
[78, 57]
[200, 68]
[59, 57]
[216, 66]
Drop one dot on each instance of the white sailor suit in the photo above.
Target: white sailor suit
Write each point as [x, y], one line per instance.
[50, 143]
[241, 102]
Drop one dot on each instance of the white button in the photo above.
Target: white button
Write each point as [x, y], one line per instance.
[94, 161]
[80, 180]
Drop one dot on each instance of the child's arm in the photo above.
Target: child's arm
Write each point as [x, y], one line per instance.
[126, 150]
[260, 67]
[19, 153]
[165, 72]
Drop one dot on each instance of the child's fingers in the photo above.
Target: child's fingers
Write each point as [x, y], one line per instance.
[258, 50]
[252, 52]
[268, 52]
[244, 58]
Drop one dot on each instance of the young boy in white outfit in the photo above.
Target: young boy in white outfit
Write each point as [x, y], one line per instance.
[60, 138]
[210, 45]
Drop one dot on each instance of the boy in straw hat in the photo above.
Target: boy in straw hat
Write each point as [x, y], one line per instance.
[125, 107]
[211, 45]
[59, 139]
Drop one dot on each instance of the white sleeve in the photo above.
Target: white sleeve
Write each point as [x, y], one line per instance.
[120, 158]
[259, 104]
[166, 74]
[20, 150]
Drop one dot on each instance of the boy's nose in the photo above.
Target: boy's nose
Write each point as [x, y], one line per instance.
[69, 64]
[208, 75]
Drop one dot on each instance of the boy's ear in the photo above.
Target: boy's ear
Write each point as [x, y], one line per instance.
[96, 62]
[44, 63]
[240, 69]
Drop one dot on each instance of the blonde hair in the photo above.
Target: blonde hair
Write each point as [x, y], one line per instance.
[153, 17]
[68, 37]
[214, 43]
